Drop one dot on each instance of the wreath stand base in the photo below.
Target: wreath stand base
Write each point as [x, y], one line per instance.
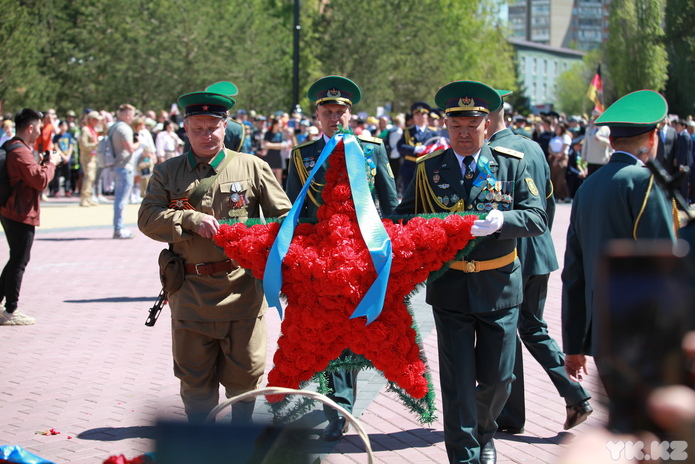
[306, 393]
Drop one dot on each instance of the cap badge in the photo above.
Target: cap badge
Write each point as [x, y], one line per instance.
[205, 107]
[466, 101]
[333, 93]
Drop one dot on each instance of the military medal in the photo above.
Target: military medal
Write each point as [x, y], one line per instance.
[237, 201]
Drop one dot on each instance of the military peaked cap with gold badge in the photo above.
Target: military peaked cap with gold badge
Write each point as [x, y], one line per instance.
[467, 98]
[634, 114]
[209, 103]
[223, 88]
[336, 90]
[420, 107]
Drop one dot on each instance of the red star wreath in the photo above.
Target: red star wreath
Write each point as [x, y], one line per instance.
[327, 271]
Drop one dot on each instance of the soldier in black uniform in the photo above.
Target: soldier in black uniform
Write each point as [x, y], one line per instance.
[334, 97]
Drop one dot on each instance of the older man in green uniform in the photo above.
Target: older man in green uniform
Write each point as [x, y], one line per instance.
[334, 97]
[235, 133]
[218, 331]
[619, 201]
[538, 260]
[476, 302]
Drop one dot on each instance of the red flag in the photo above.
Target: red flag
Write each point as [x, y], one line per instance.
[595, 92]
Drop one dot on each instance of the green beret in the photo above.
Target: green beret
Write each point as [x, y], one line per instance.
[634, 114]
[199, 103]
[223, 88]
[337, 90]
[467, 98]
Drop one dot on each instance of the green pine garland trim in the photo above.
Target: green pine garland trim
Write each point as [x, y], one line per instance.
[424, 408]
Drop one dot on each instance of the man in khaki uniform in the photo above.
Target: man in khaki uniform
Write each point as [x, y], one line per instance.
[218, 331]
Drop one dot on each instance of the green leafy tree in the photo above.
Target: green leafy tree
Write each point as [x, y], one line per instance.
[636, 54]
[573, 85]
[680, 44]
[21, 81]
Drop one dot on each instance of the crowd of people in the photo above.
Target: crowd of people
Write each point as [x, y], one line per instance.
[573, 146]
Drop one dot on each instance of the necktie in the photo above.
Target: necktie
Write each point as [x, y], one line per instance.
[468, 172]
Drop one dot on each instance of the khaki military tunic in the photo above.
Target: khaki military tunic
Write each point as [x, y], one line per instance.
[165, 215]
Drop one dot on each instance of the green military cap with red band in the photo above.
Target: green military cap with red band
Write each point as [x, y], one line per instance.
[337, 90]
[206, 103]
[467, 98]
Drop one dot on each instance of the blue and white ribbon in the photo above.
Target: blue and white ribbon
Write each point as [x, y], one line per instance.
[372, 230]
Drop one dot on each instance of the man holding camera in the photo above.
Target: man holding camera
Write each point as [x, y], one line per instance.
[124, 142]
[20, 214]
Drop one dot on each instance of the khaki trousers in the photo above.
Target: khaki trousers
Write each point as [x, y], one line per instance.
[207, 354]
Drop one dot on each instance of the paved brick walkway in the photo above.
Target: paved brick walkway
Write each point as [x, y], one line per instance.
[91, 369]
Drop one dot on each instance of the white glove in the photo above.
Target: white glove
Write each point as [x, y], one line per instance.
[419, 149]
[491, 224]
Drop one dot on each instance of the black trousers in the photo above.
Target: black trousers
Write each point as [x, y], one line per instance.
[20, 238]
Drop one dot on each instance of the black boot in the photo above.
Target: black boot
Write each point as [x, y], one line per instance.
[242, 412]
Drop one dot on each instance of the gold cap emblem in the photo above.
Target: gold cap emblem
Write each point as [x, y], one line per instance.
[466, 101]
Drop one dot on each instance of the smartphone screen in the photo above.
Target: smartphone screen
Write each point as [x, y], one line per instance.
[643, 300]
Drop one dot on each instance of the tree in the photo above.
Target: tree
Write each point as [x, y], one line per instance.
[680, 44]
[573, 84]
[21, 81]
[637, 58]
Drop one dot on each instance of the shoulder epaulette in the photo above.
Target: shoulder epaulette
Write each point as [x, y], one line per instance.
[432, 128]
[429, 156]
[509, 151]
[305, 144]
[376, 140]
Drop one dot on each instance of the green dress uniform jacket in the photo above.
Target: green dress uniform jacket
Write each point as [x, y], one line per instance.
[537, 253]
[538, 260]
[489, 290]
[619, 201]
[303, 160]
[165, 215]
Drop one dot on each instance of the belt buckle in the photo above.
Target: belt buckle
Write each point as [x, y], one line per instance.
[471, 266]
[197, 271]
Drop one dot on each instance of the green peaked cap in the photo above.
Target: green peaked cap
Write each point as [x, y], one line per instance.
[223, 88]
[467, 98]
[213, 104]
[634, 114]
[337, 90]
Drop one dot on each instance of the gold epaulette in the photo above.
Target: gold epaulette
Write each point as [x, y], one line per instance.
[509, 151]
[305, 144]
[429, 156]
[432, 128]
[376, 140]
